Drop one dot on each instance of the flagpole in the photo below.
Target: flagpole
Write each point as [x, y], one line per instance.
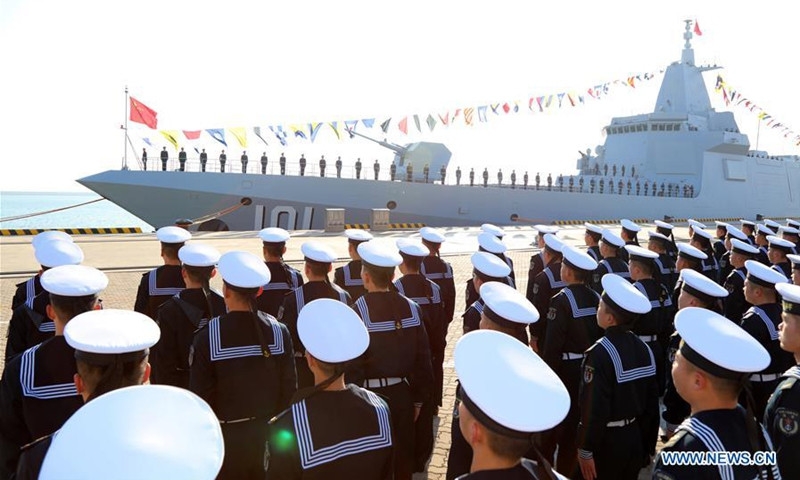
[758, 132]
[125, 140]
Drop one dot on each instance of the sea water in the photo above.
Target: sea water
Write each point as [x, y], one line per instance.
[102, 214]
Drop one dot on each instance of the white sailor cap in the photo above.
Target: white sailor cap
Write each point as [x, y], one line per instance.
[715, 344]
[695, 224]
[491, 243]
[542, 229]
[412, 247]
[100, 336]
[506, 306]
[721, 224]
[331, 331]
[120, 435]
[553, 243]
[780, 243]
[500, 378]
[743, 248]
[629, 225]
[640, 253]
[318, 252]
[612, 239]
[658, 236]
[358, 235]
[198, 255]
[749, 223]
[699, 232]
[578, 259]
[763, 230]
[789, 230]
[623, 298]
[664, 225]
[273, 235]
[430, 234]
[173, 234]
[792, 223]
[693, 253]
[795, 259]
[50, 235]
[379, 254]
[243, 270]
[700, 286]
[736, 233]
[790, 297]
[489, 265]
[591, 227]
[763, 275]
[772, 223]
[58, 252]
[493, 230]
[74, 281]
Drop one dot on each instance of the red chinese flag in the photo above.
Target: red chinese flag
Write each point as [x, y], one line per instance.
[697, 29]
[141, 113]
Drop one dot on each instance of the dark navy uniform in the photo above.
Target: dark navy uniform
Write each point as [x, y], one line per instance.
[244, 385]
[762, 322]
[762, 256]
[441, 273]
[609, 265]
[666, 269]
[594, 252]
[619, 405]
[283, 280]
[525, 470]
[545, 285]
[471, 295]
[711, 431]
[333, 434]
[655, 327]
[179, 318]
[718, 246]
[32, 457]
[571, 329]
[675, 407]
[287, 315]
[535, 268]
[37, 395]
[29, 325]
[710, 266]
[782, 421]
[26, 291]
[158, 286]
[725, 267]
[349, 278]
[397, 365]
[734, 305]
[472, 316]
[784, 267]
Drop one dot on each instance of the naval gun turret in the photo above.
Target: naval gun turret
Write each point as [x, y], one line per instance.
[416, 155]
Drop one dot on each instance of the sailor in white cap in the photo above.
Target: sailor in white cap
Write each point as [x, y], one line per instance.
[438, 270]
[610, 246]
[777, 253]
[161, 283]
[333, 430]
[666, 229]
[494, 245]
[655, 326]
[500, 381]
[790, 222]
[701, 240]
[506, 312]
[661, 244]
[30, 288]
[782, 415]
[397, 363]
[571, 328]
[715, 358]
[689, 258]
[749, 228]
[349, 276]
[537, 260]
[592, 236]
[283, 278]
[734, 305]
[156, 432]
[795, 259]
[545, 285]
[184, 314]
[30, 324]
[772, 223]
[718, 242]
[37, 392]
[111, 352]
[237, 351]
[628, 233]
[791, 234]
[485, 268]
[493, 230]
[319, 260]
[694, 224]
[762, 232]
[618, 396]
[761, 321]
[428, 296]
[725, 266]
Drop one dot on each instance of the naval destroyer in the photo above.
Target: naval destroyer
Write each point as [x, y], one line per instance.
[683, 159]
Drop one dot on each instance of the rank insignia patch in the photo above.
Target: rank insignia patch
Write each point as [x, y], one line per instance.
[588, 374]
[788, 421]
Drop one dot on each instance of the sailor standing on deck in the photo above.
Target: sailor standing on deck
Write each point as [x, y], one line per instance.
[499, 233]
[160, 284]
[618, 397]
[545, 286]
[500, 380]
[264, 161]
[164, 159]
[735, 304]
[333, 430]
[397, 364]
[725, 266]
[665, 229]
[718, 242]
[358, 168]
[283, 278]
[242, 364]
[322, 165]
[203, 160]
[144, 159]
[182, 160]
[244, 160]
[748, 227]
[348, 277]
[180, 317]
[318, 260]
[492, 244]
[30, 288]
[439, 271]
[665, 263]
[713, 363]
[282, 163]
[689, 258]
[538, 263]
[339, 167]
[592, 237]
[610, 246]
[377, 168]
[777, 253]
[701, 240]
[302, 165]
[37, 391]
[628, 233]
[485, 268]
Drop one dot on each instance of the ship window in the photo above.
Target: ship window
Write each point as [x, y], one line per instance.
[669, 127]
[661, 127]
[625, 129]
[391, 204]
[640, 128]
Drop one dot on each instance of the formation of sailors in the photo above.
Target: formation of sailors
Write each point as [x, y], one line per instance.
[565, 379]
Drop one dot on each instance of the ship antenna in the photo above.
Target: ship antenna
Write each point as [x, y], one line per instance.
[125, 157]
[687, 54]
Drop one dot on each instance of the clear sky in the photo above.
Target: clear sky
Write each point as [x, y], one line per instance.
[208, 64]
